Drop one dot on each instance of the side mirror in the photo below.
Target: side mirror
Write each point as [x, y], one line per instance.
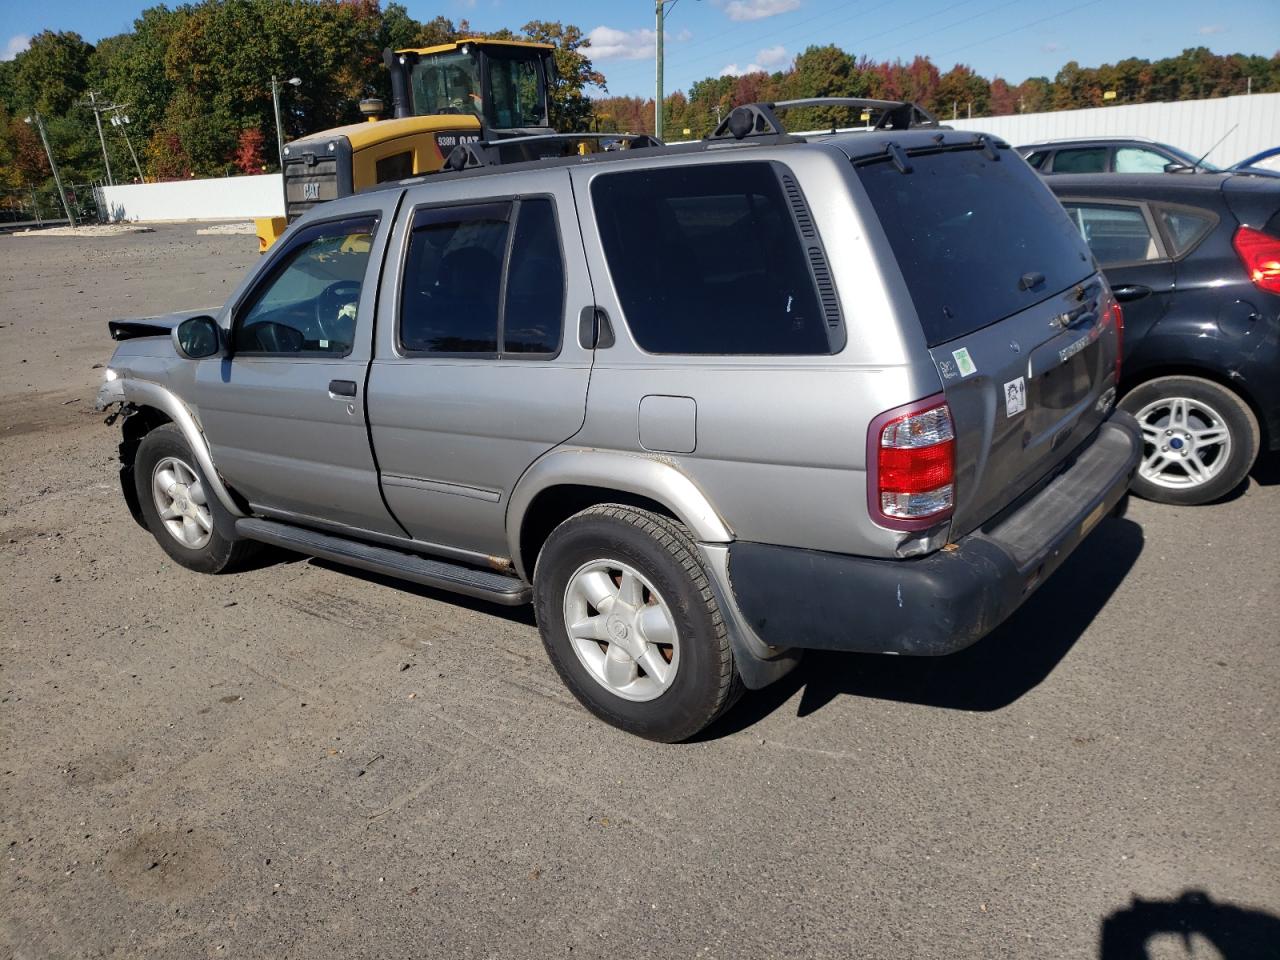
[197, 338]
[1174, 167]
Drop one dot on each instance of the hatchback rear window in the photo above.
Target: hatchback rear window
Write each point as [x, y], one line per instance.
[976, 239]
[707, 260]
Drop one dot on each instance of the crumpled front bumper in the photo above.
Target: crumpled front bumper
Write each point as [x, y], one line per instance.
[948, 600]
[111, 392]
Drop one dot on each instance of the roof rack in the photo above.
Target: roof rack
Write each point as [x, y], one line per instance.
[761, 119]
[540, 146]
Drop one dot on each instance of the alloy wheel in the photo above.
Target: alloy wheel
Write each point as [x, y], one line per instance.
[621, 630]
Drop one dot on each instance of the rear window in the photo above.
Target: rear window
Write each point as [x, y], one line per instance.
[707, 260]
[968, 231]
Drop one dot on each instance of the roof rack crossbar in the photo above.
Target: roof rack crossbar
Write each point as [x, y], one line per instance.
[485, 153]
[761, 119]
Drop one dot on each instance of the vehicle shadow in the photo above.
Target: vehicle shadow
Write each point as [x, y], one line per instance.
[1237, 933]
[1010, 661]
[1266, 469]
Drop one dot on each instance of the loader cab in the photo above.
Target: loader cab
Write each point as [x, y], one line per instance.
[443, 96]
[501, 83]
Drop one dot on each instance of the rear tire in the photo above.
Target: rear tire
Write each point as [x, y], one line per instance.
[1199, 440]
[653, 658]
[178, 508]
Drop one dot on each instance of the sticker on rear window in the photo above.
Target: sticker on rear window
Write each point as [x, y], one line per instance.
[1015, 397]
[963, 362]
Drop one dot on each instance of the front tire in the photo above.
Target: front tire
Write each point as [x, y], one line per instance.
[631, 624]
[1199, 440]
[178, 509]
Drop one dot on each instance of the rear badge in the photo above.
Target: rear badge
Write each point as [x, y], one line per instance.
[1015, 397]
[963, 362]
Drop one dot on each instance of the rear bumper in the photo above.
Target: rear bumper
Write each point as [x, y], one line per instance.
[948, 600]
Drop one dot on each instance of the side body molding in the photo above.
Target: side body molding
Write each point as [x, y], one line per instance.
[646, 476]
[144, 392]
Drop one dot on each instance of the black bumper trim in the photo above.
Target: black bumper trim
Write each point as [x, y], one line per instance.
[948, 600]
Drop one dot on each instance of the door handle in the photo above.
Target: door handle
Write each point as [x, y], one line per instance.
[344, 389]
[1130, 291]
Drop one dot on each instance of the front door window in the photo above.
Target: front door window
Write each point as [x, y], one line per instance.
[308, 304]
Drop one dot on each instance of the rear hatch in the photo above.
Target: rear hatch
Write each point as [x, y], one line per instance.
[1015, 314]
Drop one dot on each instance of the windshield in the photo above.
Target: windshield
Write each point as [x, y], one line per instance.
[450, 83]
[446, 83]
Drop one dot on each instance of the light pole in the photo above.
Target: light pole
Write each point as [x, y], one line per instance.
[52, 165]
[275, 101]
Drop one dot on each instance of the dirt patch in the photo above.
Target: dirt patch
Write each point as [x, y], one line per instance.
[173, 865]
[98, 769]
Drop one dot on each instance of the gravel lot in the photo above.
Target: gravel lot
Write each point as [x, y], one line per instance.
[301, 762]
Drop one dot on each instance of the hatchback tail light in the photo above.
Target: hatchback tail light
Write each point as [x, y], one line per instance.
[1260, 254]
[911, 465]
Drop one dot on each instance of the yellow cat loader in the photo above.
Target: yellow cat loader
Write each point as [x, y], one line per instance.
[455, 93]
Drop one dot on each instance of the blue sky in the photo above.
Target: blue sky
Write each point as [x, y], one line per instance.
[1010, 38]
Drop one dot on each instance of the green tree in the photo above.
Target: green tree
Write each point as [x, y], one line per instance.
[51, 74]
[570, 105]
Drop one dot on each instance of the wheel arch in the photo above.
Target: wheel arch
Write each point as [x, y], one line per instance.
[164, 406]
[566, 481]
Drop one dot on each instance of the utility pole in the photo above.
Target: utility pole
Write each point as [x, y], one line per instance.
[52, 165]
[97, 118]
[660, 15]
[121, 122]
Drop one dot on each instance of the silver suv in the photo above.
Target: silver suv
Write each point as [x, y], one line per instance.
[705, 406]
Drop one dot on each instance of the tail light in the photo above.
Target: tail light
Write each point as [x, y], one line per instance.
[1260, 254]
[911, 465]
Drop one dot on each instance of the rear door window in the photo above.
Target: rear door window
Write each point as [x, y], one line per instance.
[968, 231]
[472, 288]
[1115, 233]
[707, 260]
[1087, 160]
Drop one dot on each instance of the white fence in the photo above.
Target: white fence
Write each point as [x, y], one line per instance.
[228, 198]
[1248, 124]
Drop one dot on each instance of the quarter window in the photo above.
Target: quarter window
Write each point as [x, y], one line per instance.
[1186, 228]
[309, 303]
[707, 260]
[457, 268]
[1115, 234]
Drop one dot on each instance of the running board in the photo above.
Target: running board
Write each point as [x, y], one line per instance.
[484, 584]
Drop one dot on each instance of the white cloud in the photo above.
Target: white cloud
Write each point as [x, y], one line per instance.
[15, 45]
[606, 43]
[765, 60]
[758, 9]
[1210, 29]
[1052, 47]
[772, 56]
